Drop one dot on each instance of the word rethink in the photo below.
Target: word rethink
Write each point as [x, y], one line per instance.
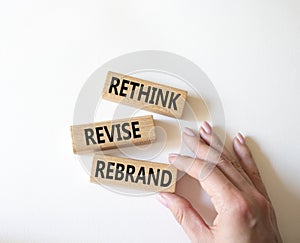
[139, 174]
[112, 134]
[144, 94]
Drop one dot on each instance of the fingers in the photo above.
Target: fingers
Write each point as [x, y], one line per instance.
[207, 153]
[186, 216]
[199, 148]
[207, 134]
[212, 180]
[244, 154]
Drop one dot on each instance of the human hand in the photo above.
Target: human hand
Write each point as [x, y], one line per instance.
[244, 210]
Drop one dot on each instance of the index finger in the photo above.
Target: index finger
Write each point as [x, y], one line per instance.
[213, 181]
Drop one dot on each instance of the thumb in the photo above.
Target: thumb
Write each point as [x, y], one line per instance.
[191, 222]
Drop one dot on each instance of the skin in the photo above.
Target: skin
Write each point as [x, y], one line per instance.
[244, 210]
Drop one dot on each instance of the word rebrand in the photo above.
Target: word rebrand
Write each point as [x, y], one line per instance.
[138, 174]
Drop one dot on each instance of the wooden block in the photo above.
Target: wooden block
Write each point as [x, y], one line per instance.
[112, 134]
[137, 174]
[144, 94]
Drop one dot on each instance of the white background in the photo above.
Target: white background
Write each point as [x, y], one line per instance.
[249, 49]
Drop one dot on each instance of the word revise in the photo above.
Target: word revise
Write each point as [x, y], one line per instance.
[139, 174]
[111, 134]
[144, 94]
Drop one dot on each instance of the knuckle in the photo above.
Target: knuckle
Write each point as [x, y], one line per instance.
[180, 212]
[200, 150]
[248, 211]
[243, 207]
[256, 175]
[222, 162]
[246, 154]
[193, 168]
[244, 211]
[263, 204]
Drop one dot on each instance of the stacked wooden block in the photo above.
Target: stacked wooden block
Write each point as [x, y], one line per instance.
[139, 130]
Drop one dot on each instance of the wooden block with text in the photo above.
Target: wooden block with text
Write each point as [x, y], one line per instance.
[136, 174]
[144, 94]
[112, 134]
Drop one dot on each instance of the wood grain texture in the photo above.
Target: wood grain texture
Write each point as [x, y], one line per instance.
[112, 134]
[136, 174]
[144, 94]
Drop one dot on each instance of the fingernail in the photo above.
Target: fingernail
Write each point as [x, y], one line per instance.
[173, 154]
[241, 138]
[189, 132]
[206, 127]
[202, 131]
[162, 200]
[172, 157]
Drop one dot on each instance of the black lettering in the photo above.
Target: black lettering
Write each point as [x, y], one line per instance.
[89, 133]
[119, 132]
[129, 172]
[163, 174]
[99, 168]
[123, 87]
[99, 135]
[126, 131]
[119, 172]
[154, 178]
[135, 129]
[113, 85]
[109, 170]
[151, 101]
[110, 136]
[141, 175]
[134, 85]
[160, 95]
[146, 93]
[173, 101]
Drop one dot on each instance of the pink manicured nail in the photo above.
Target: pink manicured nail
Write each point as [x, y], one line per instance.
[189, 132]
[162, 200]
[206, 127]
[241, 138]
[202, 131]
[172, 157]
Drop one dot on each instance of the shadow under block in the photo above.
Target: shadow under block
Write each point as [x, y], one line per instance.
[136, 174]
[144, 94]
[112, 134]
